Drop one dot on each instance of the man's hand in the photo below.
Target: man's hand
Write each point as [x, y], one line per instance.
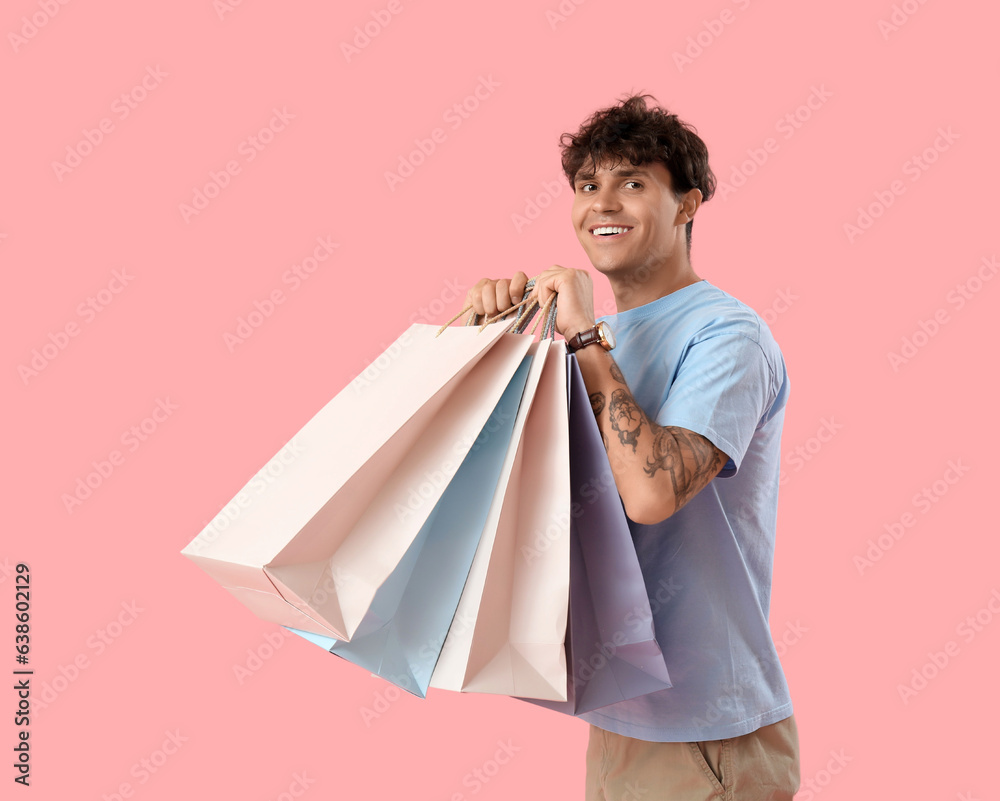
[575, 298]
[574, 305]
[489, 296]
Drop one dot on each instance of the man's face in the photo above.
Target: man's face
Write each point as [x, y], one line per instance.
[640, 200]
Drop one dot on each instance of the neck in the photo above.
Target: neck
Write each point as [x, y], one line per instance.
[643, 286]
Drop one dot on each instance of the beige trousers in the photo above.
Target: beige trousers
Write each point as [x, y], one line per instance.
[760, 766]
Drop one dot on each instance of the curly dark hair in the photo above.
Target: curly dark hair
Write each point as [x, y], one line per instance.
[630, 130]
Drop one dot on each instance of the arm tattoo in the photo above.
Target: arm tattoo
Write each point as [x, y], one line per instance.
[671, 445]
[626, 418]
[597, 402]
[616, 374]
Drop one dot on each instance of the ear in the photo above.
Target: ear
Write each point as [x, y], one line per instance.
[690, 202]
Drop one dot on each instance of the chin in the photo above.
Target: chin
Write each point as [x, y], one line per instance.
[611, 268]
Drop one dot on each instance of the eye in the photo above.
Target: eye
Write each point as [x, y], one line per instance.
[637, 184]
[583, 187]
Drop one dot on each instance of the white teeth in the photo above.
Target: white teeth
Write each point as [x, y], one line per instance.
[609, 229]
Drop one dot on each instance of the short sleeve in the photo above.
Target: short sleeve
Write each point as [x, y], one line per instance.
[724, 389]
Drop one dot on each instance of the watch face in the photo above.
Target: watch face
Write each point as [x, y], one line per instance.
[609, 335]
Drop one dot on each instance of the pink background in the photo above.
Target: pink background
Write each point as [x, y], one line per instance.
[872, 434]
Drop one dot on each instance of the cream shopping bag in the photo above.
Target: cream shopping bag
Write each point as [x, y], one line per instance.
[307, 545]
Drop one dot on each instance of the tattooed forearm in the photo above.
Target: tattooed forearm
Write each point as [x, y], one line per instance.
[597, 402]
[626, 418]
[690, 460]
[655, 474]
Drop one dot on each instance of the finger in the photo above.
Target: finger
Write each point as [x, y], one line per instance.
[503, 294]
[544, 286]
[474, 297]
[489, 297]
[517, 285]
[470, 300]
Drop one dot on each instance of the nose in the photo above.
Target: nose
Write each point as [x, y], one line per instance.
[605, 199]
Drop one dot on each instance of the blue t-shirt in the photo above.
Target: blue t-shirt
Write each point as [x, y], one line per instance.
[702, 360]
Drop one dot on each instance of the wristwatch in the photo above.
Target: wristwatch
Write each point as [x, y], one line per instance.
[600, 333]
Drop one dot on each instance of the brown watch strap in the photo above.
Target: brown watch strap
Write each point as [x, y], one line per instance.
[584, 338]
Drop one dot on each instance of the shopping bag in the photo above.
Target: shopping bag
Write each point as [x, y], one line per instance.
[612, 650]
[510, 627]
[310, 538]
[402, 634]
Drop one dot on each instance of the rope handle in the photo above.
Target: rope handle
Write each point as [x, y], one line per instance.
[525, 313]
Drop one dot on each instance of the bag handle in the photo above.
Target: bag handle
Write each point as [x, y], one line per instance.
[524, 315]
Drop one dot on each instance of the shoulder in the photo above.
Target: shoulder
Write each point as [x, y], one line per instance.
[723, 322]
[715, 312]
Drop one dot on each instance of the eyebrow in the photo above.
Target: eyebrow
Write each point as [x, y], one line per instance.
[620, 173]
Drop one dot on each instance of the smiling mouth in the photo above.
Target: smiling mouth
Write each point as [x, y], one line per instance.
[610, 231]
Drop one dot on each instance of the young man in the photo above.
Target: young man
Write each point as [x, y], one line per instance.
[689, 392]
